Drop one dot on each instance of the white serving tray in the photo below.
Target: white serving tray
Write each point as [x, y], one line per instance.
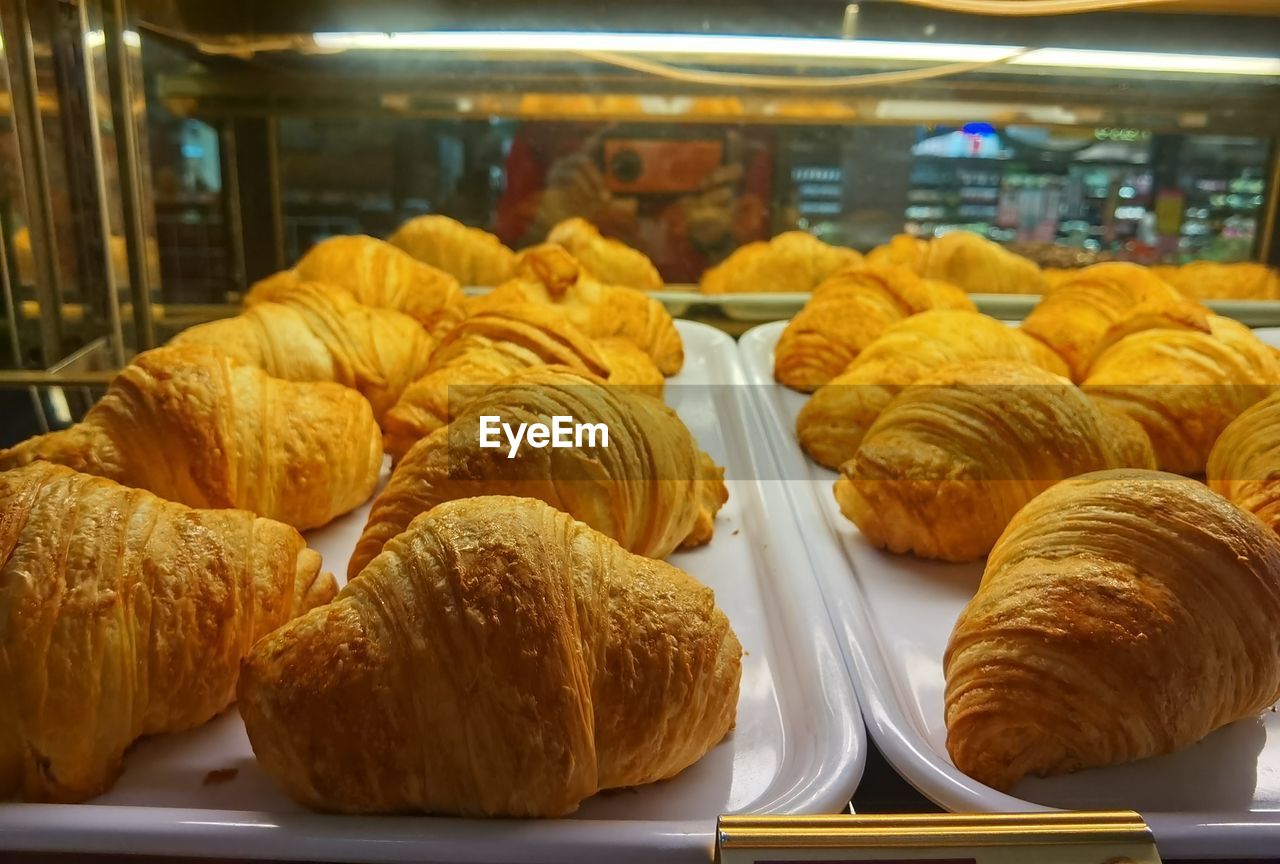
[894, 614]
[798, 747]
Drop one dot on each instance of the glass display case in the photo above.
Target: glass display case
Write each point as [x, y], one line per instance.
[161, 157]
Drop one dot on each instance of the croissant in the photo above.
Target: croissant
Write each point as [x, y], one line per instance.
[376, 274]
[627, 363]
[470, 255]
[1076, 316]
[1185, 386]
[1122, 615]
[846, 313]
[126, 615]
[954, 456]
[317, 332]
[499, 659]
[979, 266]
[613, 262]
[902, 250]
[651, 488]
[1210, 280]
[791, 262]
[484, 349]
[831, 424]
[1244, 465]
[549, 275]
[186, 423]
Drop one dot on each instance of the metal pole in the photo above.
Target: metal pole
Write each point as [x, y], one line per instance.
[20, 56]
[135, 198]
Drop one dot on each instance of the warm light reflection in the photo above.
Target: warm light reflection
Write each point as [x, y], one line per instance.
[796, 47]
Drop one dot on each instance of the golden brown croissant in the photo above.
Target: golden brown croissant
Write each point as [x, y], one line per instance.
[831, 424]
[487, 347]
[126, 615]
[791, 262]
[549, 275]
[846, 313]
[1076, 316]
[317, 332]
[376, 274]
[1185, 386]
[610, 261]
[979, 266]
[1244, 465]
[498, 659]
[1210, 280]
[627, 363]
[650, 488]
[955, 455]
[186, 423]
[470, 255]
[902, 250]
[1122, 615]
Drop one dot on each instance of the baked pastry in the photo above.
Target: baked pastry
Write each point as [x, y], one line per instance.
[1076, 315]
[1244, 465]
[627, 363]
[1185, 386]
[487, 347]
[979, 266]
[188, 424]
[902, 250]
[610, 261]
[549, 275]
[470, 255]
[846, 313]
[831, 424]
[499, 659]
[954, 456]
[791, 262]
[1210, 280]
[376, 274]
[1122, 615]
[125, 615]
[650, 488]
[317, 332]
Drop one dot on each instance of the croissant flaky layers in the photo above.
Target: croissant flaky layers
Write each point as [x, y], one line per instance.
[1122, 615]
[954, 456]
[123, 615]
[651, 488]
[498, 658]
[186, 423]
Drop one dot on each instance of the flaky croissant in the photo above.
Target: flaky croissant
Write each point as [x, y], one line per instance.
[831, 424]
[980, 266]
[186, 423]
[1076, 315]
[954, 456]
[1211, 280]
[1184, 386]
[549, 275]
[487, 347]
[610, 261]
[498, 659]
[317, 332]
[125, 615]
[376, 274]
[470, 255]
[1244, 465]
[902, 250]
[650, 488]
[1122, 615]
[846, 313]
[792, 261]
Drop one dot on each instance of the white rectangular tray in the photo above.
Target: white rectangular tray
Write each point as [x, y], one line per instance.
[894, 614]
[798, 746]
